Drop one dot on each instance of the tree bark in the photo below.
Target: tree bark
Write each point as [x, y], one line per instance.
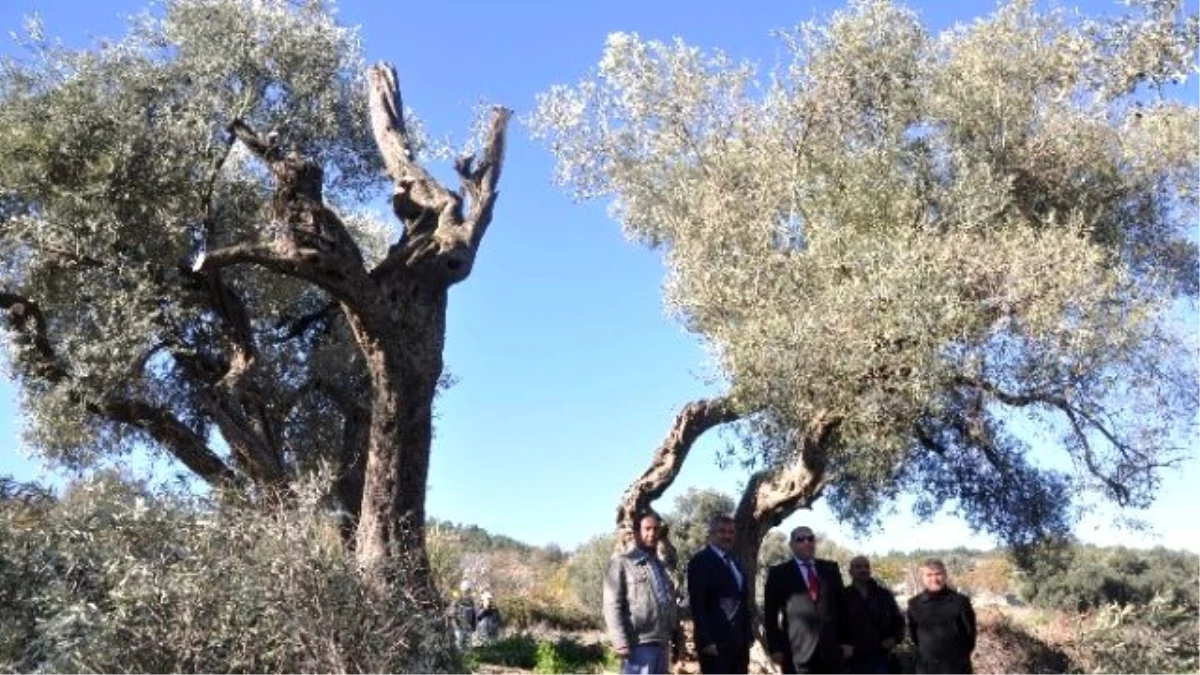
[404, 368]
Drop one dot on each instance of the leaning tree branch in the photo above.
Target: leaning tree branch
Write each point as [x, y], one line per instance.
[696, 418]
[187, 446]
[181, 441]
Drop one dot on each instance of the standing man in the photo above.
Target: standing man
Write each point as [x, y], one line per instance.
[876, 625]
[463, 615]
[805, 615]
[941, 623]
[719, 596]
[639, 604]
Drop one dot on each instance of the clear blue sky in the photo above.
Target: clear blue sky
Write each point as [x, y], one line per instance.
[569, 370]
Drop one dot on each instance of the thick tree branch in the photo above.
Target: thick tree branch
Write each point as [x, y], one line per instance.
[21, 313]
[187, 446]
[440, 241]
[773, 495]
[248, 443]
[479, 183]
[264, 255]
[294, 328]
[696, 418]
[310, 241]
[419, 198]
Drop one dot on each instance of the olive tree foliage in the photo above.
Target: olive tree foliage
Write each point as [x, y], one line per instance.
[118, 171]
[898, 244]
[183, 267]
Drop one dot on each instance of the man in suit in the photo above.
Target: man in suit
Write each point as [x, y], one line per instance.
[719, 595]
[805, 621]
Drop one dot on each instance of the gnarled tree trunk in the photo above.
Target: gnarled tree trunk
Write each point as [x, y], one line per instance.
[771, 496]
[396, 311]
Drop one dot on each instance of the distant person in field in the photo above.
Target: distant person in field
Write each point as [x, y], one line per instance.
[487, 619]
[719, 595]
[462, 615]
[874, 618]
[941, 623]
[639, 604]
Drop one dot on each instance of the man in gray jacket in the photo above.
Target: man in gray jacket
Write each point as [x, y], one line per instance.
[639, 604]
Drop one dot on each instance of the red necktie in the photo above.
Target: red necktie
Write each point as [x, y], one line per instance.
[810, 578]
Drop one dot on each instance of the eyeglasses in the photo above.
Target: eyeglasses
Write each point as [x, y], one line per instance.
[803, 538]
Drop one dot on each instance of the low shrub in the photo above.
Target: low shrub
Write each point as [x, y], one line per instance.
[567, 655]
[516, 651]
[1157, 637]
[563, 655]
[114, 578]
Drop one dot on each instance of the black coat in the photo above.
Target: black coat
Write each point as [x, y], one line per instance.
[942, 626]
[806, 632]
[873, 619]
[710, 584]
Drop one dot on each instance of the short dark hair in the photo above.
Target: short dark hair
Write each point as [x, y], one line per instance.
[637, 520]
[720, 519]
[934, 564]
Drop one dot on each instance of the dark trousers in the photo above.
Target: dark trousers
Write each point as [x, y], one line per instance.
[876, 663]
[728, 660]
[822, 661]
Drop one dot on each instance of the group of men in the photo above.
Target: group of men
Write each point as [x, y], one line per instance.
[813, 622]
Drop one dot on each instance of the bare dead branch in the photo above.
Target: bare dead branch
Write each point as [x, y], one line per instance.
[440, 241]
[479, 184]
[419, 199]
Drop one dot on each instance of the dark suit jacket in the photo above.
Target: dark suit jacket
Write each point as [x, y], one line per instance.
[803, 630]
[709, 582]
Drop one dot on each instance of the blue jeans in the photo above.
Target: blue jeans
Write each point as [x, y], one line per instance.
[646, 659]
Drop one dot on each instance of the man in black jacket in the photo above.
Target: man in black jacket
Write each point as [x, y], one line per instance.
[941, 623]
[876, 625]
[804, 603]
[719, 596]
